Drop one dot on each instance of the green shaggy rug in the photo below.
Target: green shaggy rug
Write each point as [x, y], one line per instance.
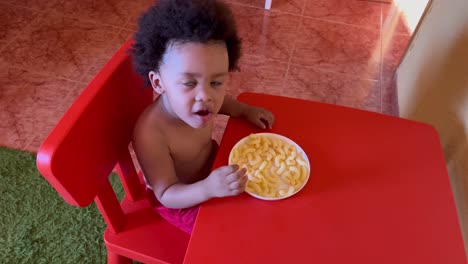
[37, 225]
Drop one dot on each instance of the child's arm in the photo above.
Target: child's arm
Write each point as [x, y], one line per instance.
[158, 167]
[232, 107]
[258, 116]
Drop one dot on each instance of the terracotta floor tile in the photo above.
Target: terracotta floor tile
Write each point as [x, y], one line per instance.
[338, 48]
[359, 13]
[31, 106]
[265, 33]
[258, 74]
[327, 87]
[104, 53]
[58, 46]
[393, 48]
[13, 21]
[34, 4]
[389, 96]
[112, 12]
[287, 6]
[137, 8]
[97, 11]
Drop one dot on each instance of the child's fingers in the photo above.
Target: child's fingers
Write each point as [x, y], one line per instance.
[243, 182]
[238, 187]
[236, 191]
[266, 123]
[271, 119]
[235, 185]
[259, 122]
[268, 118]
[239, 184]
[236, 175]
[226, 170]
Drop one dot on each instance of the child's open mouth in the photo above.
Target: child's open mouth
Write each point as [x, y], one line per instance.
[202, 112]
[203, 115]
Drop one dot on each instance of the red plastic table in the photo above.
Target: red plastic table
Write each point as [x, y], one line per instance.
[378, 193]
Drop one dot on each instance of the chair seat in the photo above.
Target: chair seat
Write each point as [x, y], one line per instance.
[145, 232]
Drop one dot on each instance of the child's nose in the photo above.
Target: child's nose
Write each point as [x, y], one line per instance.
[203, 93]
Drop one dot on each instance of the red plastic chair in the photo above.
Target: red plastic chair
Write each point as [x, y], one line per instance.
[92, 139]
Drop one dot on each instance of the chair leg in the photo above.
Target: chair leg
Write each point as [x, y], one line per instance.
[113, 258]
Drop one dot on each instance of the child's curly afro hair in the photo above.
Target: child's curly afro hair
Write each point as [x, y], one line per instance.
[180, 21]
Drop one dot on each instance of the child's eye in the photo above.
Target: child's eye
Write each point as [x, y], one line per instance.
[215, 84]
[190, 84]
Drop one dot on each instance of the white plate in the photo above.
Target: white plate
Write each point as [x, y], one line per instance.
[287, 140]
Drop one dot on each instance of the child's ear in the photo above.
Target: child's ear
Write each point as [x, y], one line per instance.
[155, 82]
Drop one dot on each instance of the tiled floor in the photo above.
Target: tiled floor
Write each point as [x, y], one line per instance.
[336, 51]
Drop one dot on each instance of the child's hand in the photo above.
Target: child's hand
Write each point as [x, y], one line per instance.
[226, 181]
[259, 116]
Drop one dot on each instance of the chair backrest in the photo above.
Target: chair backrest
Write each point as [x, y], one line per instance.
[93, 136]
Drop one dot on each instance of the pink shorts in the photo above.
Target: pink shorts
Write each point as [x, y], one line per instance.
[180, 218]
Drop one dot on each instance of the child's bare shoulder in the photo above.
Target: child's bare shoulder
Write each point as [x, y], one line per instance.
[149, 129]
[151, 147]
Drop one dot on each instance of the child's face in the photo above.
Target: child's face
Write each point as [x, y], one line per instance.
[192, 81]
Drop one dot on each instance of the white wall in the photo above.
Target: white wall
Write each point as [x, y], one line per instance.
[432, 86]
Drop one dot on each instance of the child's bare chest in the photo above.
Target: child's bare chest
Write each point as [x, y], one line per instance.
[190, 153]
